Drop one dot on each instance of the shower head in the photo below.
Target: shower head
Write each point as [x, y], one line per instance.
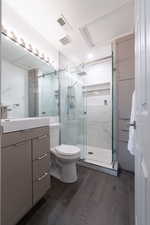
[73, 84]
[82, 73]
[81, 70]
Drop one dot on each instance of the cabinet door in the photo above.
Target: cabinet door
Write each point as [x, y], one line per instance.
[17, 182]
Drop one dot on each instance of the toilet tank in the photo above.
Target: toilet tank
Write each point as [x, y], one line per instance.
[54, 135]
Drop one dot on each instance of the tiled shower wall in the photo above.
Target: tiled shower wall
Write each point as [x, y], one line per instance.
[98, 82]
[99, 121]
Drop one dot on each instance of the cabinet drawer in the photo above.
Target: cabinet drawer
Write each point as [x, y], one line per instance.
[13, 138]
[38, 132]
[41, 146]
[124, 124]
[22, 135]
[124, 136]
[40, 166]
[40, 187]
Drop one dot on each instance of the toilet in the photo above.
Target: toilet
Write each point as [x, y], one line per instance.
[63, 158]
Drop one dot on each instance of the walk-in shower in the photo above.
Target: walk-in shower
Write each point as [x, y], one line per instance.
[84, 108]
[99, 124]
[98, 89]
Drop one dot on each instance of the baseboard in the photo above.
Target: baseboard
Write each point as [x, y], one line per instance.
[124, 170]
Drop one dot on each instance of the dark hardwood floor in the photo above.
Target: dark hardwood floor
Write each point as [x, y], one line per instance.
[96, 199]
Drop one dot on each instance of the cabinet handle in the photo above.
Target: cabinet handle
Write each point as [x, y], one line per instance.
[123, 141]
[126, 119]
[124, 130]
[133, 124]
[42, 157]
[42, 137]
[43, 176]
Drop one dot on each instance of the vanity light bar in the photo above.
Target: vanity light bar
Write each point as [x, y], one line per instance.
[12, 36]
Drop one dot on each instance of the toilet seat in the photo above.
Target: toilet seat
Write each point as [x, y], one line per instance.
[67, 150]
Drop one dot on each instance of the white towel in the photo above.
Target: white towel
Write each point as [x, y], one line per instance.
[131, 142]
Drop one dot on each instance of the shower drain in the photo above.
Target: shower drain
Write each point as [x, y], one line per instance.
[90, 153]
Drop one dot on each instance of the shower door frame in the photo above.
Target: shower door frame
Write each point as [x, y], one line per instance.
[113, 143]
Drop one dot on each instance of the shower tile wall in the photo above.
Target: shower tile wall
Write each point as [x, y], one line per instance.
[99, 113]
[99, 121]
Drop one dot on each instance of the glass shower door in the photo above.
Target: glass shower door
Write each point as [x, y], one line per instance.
[48, 95]
[72, 108]
[99, 127]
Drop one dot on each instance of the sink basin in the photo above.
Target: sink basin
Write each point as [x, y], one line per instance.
[10, 125]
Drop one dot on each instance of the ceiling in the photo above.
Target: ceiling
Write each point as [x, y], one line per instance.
[91, 24]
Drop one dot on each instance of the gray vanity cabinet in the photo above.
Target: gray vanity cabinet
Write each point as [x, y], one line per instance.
[16, 182]
[25, 171]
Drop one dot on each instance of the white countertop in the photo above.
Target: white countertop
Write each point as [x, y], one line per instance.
[54, 124]
[10, 125]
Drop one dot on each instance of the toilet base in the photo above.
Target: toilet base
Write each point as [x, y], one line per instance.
[66, 173]
[69, 173]
[55, 174]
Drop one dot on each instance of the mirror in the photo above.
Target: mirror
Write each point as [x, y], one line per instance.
[29, 84]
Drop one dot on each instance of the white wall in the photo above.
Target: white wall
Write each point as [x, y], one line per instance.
[98, 73]
[14, 89]
[14, 22]
[99, 115]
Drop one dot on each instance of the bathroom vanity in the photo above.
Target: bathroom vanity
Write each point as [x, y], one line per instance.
[25, 166]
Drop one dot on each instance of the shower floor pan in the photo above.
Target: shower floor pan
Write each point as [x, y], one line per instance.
[99, 156]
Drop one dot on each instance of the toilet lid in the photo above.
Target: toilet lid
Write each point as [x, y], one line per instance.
[67, 149]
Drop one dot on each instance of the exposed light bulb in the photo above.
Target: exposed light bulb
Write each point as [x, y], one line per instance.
[90, 56]
[42, 56]
[47, 59]
[36, 52]
[30, 48]
[12, 36]
[22, 42]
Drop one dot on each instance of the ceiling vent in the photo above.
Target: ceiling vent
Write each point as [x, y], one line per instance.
[86, 36]
[64, 24]
[65, 40]
[61, 21]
